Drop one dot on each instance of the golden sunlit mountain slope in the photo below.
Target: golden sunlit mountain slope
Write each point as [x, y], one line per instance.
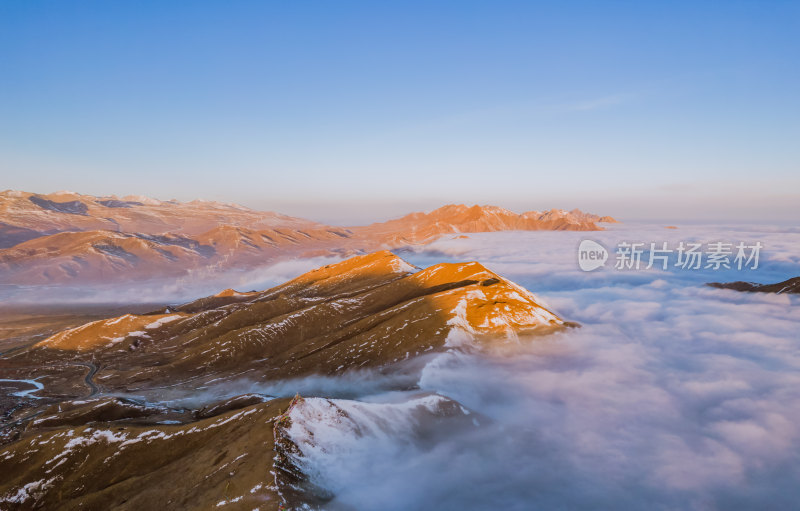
[367, 311]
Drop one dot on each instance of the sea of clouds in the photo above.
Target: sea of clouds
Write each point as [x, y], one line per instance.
[672, 395]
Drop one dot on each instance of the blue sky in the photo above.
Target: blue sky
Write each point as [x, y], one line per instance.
[361, 110]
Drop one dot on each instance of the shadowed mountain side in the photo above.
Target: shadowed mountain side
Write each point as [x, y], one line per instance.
[11, 235]
[367, 311]
[246, 452]
[120, 464]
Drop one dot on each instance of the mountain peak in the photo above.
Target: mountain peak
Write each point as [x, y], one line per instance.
[370, 310]
[381, 263]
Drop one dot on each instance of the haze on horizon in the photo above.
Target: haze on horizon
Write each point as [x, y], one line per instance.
[354, 112]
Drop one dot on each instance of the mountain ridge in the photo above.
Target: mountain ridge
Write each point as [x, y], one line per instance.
[367, 311]
[103, 429]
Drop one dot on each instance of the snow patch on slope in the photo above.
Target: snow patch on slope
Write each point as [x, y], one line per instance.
[332, 434]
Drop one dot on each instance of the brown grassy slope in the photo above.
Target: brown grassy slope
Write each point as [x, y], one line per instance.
[119, 465]
[368, 311]
[243, 453]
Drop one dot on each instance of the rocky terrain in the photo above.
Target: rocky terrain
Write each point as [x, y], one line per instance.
[71, 238]
[86, 422]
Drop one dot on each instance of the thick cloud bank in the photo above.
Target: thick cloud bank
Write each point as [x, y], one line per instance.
[671, 396]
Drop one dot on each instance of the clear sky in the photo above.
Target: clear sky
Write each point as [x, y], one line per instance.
[344, 111]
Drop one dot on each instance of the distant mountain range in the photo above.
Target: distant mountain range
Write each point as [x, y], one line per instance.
[68, 237]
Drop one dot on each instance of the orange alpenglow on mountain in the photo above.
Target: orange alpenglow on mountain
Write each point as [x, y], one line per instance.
[107, 331]
[367, 311]
[420, 227]
[71, 238]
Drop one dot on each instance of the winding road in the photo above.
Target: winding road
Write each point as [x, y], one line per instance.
[89, 375]
[92, 369]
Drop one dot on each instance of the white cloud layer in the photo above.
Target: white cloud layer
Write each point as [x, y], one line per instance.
[671, 396]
